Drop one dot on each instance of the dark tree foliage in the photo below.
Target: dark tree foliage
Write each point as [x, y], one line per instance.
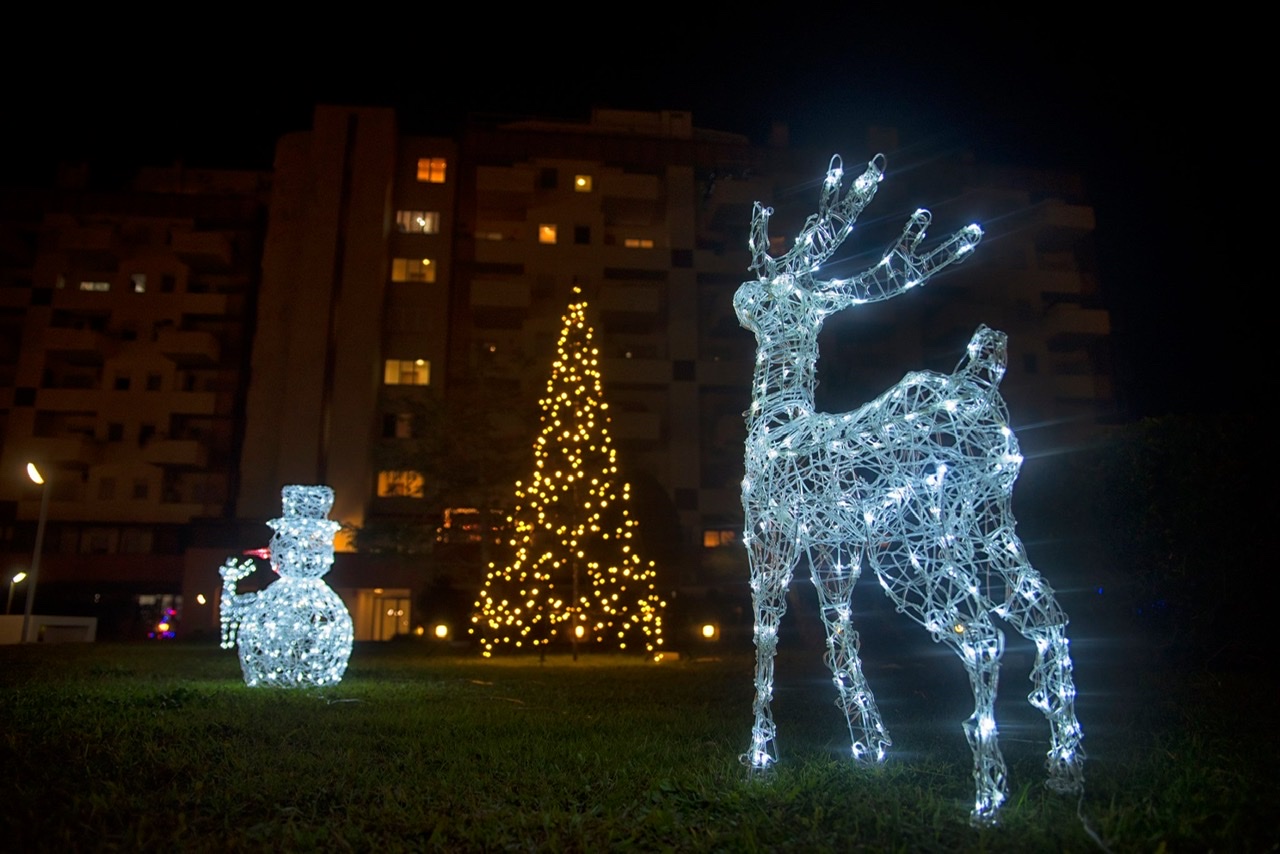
[1183, 506]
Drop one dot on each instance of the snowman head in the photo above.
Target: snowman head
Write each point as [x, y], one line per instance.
[302, 546]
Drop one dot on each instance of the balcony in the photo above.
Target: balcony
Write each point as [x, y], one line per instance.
[92, 245]
[636, 426]
[1082, 387]
[643, 371]
[189, 348]
[178, 453]
[501, 294]
[1060, 216]
[63, 451]
[622, 301]
[85, 346]
[1070, 327]
[203, 250]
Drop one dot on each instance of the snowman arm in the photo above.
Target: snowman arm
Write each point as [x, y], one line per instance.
[233, 604]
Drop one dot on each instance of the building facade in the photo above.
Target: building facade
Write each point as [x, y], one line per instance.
[128, 322]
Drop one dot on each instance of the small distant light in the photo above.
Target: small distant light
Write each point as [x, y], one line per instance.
[200, 598]
[709, 630]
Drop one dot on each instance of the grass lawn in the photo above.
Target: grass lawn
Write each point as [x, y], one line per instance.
[162, 747]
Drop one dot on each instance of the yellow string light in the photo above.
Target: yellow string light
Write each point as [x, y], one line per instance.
[560, 524]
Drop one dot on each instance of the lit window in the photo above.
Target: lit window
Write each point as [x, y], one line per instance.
[466, 525]
[431, 170]
[716, 537]
[106, 286]
[406, 372]
[638, 243]
[139, 281]
[400, 484]
[546, 233]
[582, 183]
[489, 235]
[413, 270]
[418, 222]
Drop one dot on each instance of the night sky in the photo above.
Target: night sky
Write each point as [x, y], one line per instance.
[1143, 116]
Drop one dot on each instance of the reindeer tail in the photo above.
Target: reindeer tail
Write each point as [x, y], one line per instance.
[985, 357]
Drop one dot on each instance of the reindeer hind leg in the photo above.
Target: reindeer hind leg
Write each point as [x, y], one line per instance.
[1032, 609]
[980, 647]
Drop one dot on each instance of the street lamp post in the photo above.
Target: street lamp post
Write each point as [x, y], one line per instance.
[36, 477]
[17, 579]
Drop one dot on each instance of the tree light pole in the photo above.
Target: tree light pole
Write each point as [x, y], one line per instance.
[37, 478]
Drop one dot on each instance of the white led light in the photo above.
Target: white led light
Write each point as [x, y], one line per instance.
[296, 633]
[916, 483]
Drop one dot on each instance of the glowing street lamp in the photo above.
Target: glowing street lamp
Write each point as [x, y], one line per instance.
[38, 479]
[17, 579]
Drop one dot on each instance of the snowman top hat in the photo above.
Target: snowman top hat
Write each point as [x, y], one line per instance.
[311, 502]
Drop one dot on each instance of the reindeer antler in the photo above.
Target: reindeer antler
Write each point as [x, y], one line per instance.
[824, 231]
[904, 266]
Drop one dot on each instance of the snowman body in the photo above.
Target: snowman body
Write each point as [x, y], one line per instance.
[296, 633]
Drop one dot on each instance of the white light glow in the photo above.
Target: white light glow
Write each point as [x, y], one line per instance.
[296, 633]
[917, 483]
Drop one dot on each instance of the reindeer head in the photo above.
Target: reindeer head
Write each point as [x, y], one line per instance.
[785, 292]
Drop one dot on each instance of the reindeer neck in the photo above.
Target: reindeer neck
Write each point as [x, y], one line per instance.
[785, 378]
[785, 320]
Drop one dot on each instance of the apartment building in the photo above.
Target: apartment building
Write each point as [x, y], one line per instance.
[127, 320]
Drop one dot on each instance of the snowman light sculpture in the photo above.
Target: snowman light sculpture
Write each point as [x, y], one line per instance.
[296, 633]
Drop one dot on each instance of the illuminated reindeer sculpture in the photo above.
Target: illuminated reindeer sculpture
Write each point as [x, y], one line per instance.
[916, 483]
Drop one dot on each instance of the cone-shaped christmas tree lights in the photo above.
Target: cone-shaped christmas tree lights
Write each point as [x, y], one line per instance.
[575, 576]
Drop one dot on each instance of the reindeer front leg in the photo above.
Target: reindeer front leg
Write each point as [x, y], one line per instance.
[771, 548]
[835, 569]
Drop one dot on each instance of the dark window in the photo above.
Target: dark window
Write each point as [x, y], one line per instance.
[681, 257]
[24, 397]
[582, 234]
[168, 282]
[497, 268]
[42, 296]
[115, 432]
[547, 179]
[633, 273]
[683, 370]
[153, 382]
